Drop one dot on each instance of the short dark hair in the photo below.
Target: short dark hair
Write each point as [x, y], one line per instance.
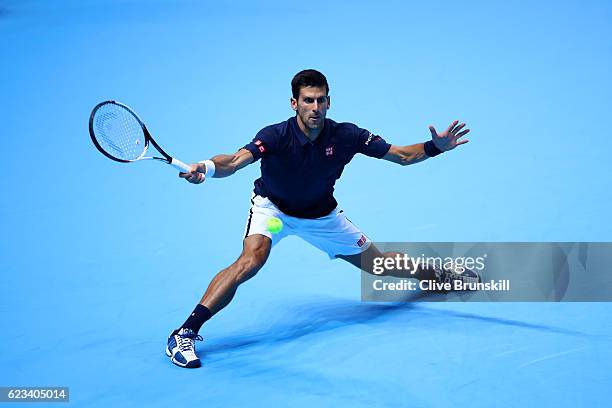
[308, 77]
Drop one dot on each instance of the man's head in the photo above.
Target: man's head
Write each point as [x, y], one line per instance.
[310, 98]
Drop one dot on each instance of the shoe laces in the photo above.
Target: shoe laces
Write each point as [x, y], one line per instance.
[448, 275]
[186, 340]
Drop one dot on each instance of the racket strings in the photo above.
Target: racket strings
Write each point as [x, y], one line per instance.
[119, 133]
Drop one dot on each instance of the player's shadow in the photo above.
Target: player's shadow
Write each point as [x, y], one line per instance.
[322, 316]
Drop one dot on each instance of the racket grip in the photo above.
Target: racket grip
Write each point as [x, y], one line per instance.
[180, 166]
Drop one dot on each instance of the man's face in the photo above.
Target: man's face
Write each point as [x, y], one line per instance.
[311, 106]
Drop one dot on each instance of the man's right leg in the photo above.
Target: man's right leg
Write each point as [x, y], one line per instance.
[221, 290]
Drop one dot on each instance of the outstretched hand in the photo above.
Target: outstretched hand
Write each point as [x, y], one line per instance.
[448, 139]
[195, 176]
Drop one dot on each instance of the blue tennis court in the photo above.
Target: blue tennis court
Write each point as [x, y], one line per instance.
[100, 260]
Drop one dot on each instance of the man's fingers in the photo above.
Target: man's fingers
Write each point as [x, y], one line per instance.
[193, 177]
[450, 128]
[466, 131]
[434, 134]
[460, 142]
[196, 178]
[458, 128]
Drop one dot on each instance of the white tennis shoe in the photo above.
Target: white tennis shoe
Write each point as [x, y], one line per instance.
[449, 275]
[181, 348]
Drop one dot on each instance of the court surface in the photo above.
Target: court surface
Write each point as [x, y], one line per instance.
[100, 261]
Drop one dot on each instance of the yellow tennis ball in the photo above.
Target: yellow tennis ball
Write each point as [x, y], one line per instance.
[275, 225]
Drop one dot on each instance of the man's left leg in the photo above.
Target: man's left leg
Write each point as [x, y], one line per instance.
[365, 262]
[337, 236]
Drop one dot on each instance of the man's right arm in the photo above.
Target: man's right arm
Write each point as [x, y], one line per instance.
[225, 165]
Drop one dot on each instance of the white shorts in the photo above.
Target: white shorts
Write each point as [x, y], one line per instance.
[333, 234]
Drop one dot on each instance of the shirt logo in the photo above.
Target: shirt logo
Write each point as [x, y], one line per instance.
[361, 241]
[262, 149]
[257, 142]
[329, 151]
[371, 138]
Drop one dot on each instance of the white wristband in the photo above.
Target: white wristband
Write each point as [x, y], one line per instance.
[210, 167]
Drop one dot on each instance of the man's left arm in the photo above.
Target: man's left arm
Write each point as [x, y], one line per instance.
[439, 143]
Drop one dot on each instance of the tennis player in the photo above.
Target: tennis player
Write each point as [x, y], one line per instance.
[301, 159]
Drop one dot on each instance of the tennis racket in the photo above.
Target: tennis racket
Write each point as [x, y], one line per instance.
[119, 134]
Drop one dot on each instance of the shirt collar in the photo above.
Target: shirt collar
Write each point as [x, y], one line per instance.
[302, 137]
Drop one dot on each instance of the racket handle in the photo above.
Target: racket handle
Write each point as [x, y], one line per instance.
[180, 166]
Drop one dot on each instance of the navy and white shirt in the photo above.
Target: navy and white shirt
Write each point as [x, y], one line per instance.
[298, 175]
